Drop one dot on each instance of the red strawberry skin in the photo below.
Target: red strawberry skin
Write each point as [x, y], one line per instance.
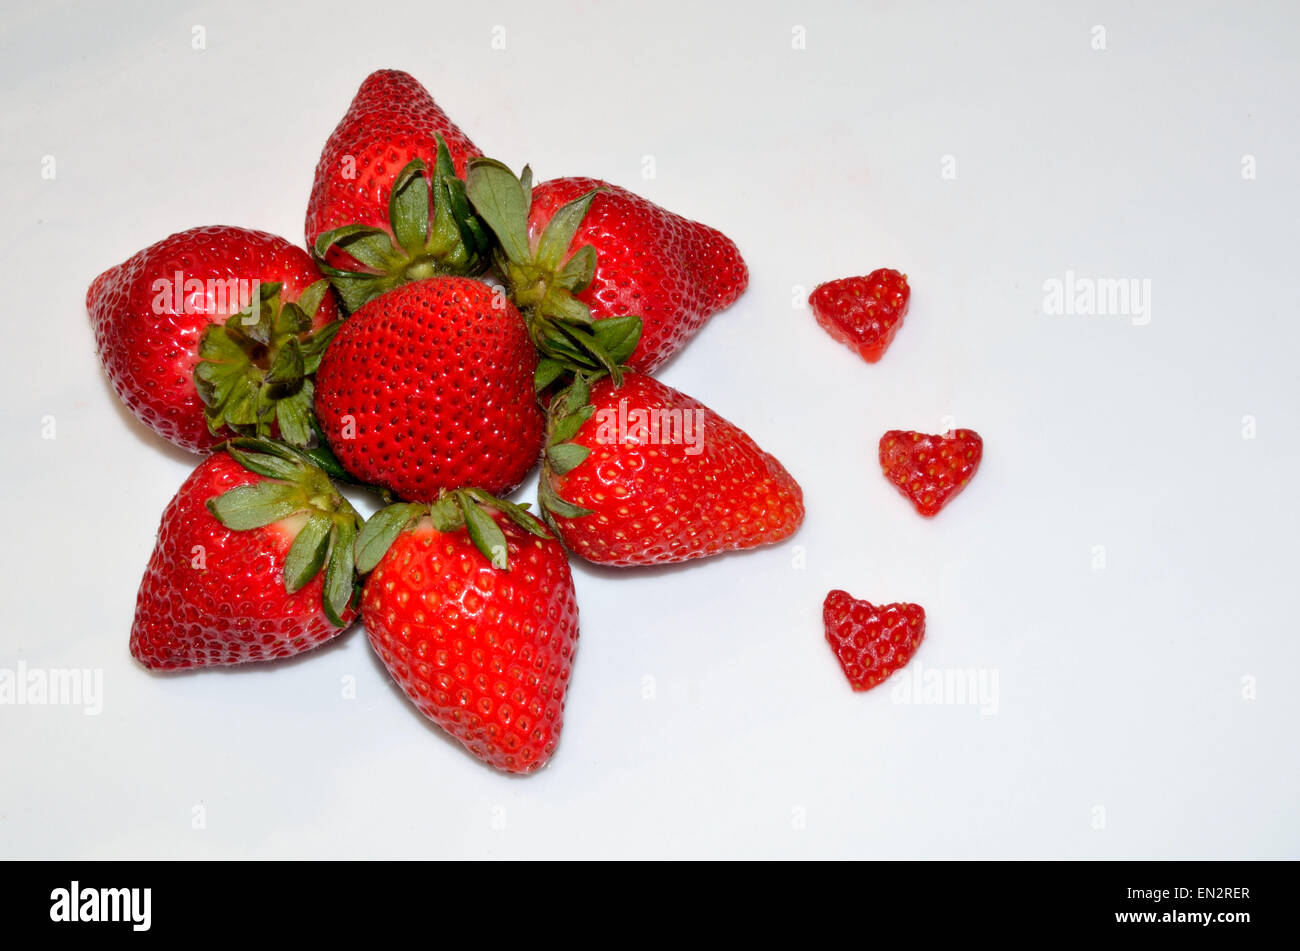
[214, 596]
[148, 344]
[672, 272]
[930, 470]
[391, 121]
[871, 642]
[430, 387]
[484, 653]
[658, 502]
[863, 312]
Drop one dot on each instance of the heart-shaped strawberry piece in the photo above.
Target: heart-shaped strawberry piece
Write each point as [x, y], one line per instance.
[871, 642]
[930, 470]
[863, 312]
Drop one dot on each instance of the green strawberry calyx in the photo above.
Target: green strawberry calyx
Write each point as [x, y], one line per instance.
[454, 511]
[254, 373]
[294, 486]
[568, 410]
[432, 231]
[543, 279]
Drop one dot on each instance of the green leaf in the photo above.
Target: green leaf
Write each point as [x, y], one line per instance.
[578, 271]
[576, 397]
[557, 343]
[444, 242]
[337, 235]
[475, 236]
[551, 502]
[293, 416]
[320, 456]
[618, 335]
[292, 320]
[222, 366]
[408, 207]
[315, 345]
[288, 365]
[567, 427]
[269, 461]
[560, 230]
[220, 344]
[381, 530]
[373, 249]
[355, 288]
[444, 239]
[446, 514]
[592, 350]
[340, 574]
[566, 456]
[562, 305]
[443, 166]
[262, 328]
[240, 407]
[307, 553]
[252, 506]
[484, 532]
[502, 202]
[312, 295]
[518, 514]
[548, 371]
[265, 409]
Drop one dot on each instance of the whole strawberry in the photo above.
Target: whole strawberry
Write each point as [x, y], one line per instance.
[930, 470]
[863, 312]
[578, 250]
[236, 575]
[214, 332]
[471, 607]
[391, 122]
[871, 642]
[644, 475]
[430, 387]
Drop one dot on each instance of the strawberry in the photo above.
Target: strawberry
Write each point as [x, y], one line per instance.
[470, 605]
[930, 470]
[863, 312]
[236, 574]
[577, 250]
[429, 387]
[644, 475]
[214, 332]
[871, 642]
[388, 205]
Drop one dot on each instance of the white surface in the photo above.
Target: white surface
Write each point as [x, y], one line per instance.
[1119, 689]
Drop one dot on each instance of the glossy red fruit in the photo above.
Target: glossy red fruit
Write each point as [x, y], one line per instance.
[214, 595]
[672, 272]
[391, 121]
[430, 387]
[150, 315]
[485, 653]
[661, 478]
[930, 470]
[871, 642]
[863, 312]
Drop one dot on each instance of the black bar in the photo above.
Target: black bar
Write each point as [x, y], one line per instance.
[924, 899]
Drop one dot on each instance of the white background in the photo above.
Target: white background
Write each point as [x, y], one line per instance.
[1123, 725]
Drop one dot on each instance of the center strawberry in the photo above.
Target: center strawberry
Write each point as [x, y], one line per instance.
[430, 387]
